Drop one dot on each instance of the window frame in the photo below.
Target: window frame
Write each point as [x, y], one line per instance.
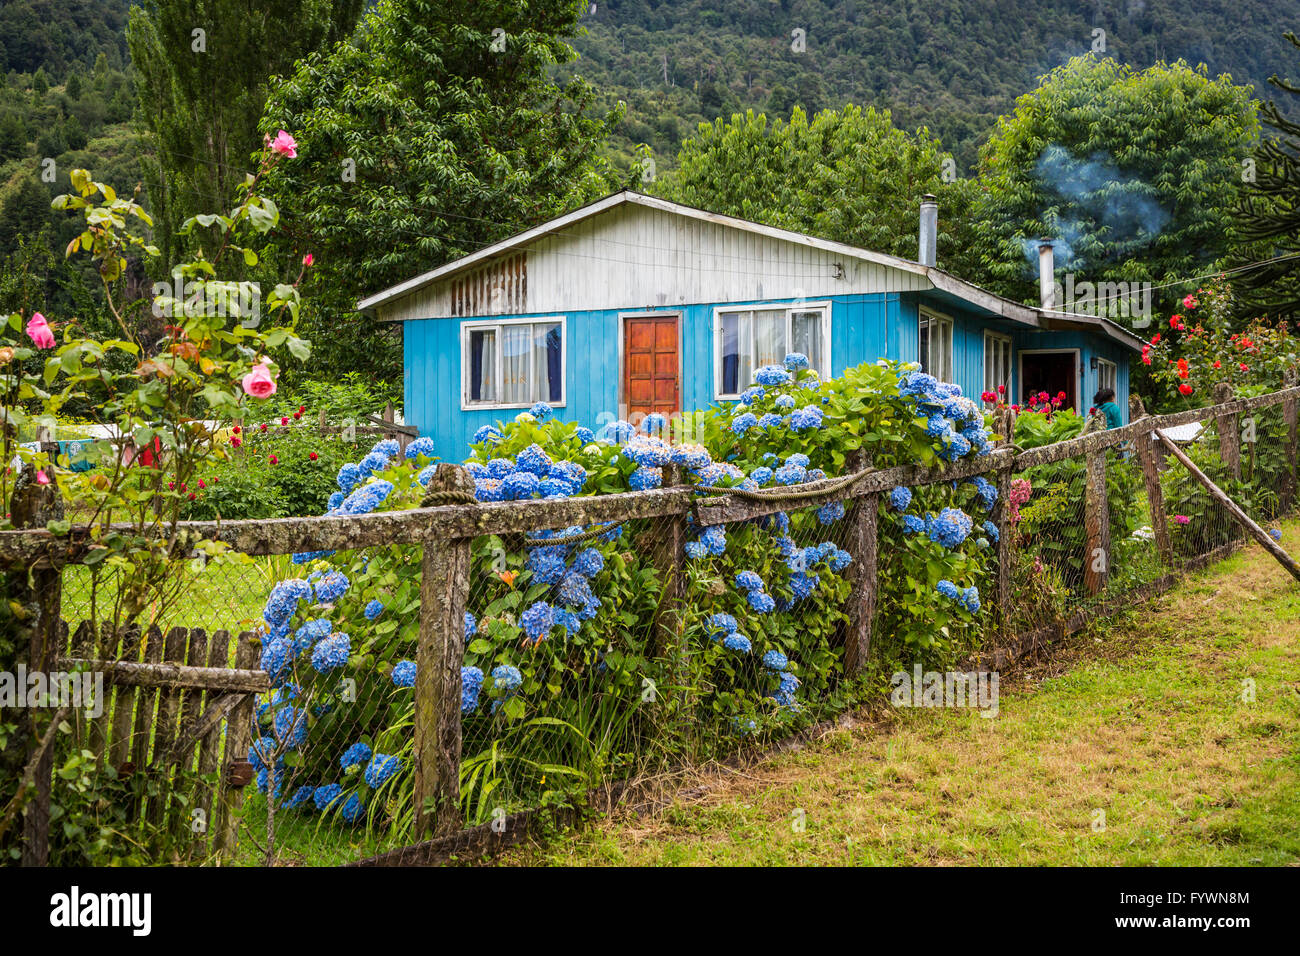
[1004, 339]
[479, 324]
[822, 305]
[1114, 374]
[925, 314]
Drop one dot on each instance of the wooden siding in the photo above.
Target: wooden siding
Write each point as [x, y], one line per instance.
[633, 257]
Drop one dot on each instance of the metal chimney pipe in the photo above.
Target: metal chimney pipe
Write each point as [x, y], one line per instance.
[929, 230]
[1046, 274]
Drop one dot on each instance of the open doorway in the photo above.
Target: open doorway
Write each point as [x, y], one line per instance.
[1051, 371]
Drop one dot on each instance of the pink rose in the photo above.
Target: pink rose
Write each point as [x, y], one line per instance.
[285, 145]
[307, 260]
[40, 333]
[258, 383]
[42, 478]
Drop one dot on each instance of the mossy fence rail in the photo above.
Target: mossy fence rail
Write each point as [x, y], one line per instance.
[206, 696]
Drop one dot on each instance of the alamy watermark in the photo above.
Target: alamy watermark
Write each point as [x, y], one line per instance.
[977, 689]
[240, 300]
[75, 689]
[1109, 300]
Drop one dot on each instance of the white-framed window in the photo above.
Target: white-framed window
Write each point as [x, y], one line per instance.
[747, 339]
[997, 363]
[512, 363]
[935, 347]
[1107, 375]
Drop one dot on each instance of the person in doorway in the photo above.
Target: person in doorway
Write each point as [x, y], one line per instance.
[1104, 403]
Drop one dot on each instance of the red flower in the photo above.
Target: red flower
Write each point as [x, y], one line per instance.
[237, 429]
[202, 484]
[297, 415]
[263, 426]
[988, 396]
[284, 421]
[1174, 320]
[183, 488]
[1092, 410]
[1002, 389]
[1217, 363]
[235, 441]
[312, 455]
[1190, 302]
[274, 460]
[1016, 409]
[1185, 389]
[1245, 367]
[171, 486]
[301, 409]
[192, 496]
[1155, 339]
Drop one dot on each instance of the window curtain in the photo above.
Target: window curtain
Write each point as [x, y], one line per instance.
[516, 364]
[769, 339]
[548, 361]
[482, 365]
[806, 330]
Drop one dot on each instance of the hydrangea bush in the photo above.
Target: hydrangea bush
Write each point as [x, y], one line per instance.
[560, 681]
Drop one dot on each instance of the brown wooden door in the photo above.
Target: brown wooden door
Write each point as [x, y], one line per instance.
[651, 365]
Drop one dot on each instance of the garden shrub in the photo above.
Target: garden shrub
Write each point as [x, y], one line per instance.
[562, 685]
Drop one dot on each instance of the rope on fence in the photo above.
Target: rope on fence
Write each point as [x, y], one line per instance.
[593, 532]
[776, 494]
[450, 497]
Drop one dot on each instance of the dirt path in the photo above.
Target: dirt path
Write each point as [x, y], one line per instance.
[1135, 745]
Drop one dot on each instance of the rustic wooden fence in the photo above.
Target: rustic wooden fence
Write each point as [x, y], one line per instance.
[446, 532]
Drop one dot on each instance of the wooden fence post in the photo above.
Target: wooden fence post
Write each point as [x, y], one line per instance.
[238, 733]
[32, 506]
[444, 589]
[862, 533]
[1229, 436]
[1096, 522]
[1291, 416]
[666, 544]
[1006, 546]
[1146, 452]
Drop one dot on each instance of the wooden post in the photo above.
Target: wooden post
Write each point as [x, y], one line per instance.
[1005, 549]
[444, 589]
[225, 825]
[1146, 452]
[862, 534]
[666, 547]
[1291, 416]
[1229, 436]
[40, 595]
[165, 727]
[1256, 532]
[1096, 523]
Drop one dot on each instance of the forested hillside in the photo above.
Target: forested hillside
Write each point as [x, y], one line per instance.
[951, 65]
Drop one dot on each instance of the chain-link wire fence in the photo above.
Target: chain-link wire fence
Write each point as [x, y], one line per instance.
[603, 650]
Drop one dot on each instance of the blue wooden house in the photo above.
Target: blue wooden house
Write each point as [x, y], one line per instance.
[634, 304]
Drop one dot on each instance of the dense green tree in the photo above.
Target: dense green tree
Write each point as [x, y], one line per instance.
[1134, 173]
[203, 69]
[424, 138]
[1270, 214]
[848, 175]
[40, 83]
[13, 136]
[24, 211]
[73, 87]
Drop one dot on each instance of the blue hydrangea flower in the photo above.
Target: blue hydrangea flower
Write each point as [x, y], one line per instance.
[428, 472]
[796, 361]
[913, 524]
[380, 769]
[290, 726]
[695, 550]
[507, 677]
[737, 642]
[490, 489]
[749, 581]
[420, 446]
[770, 375]
[803, 584]
[691, 456]
[335, 500]
[790, 474]
[986, 490]
[752, 394]
[840, 560]
[585, 435]
[568, 620]
[539, 618]
[283, 601]
[276, 656]
[743, 423]
[262, 751]
[471, 682]
[500, 467]
[542, 412]
[950, 528]
[404, 674]
[331, 586]
[810, 416]
[900, 497]
[785, 402]
[589, 562]
[385, 448]
[760, 601]
[300, 796]
[309, 634]
[1275, 534]
[325, 796]
[774, 660]
[645, 478]
[714, 539]
[520, 486]
[970, 597]
[331, 653]
[547, 565]
[720, 624]
[355, 755]
[348, 477]
[991, 530]
[366, 498]
[373, 610]
[946, 588]
[619, 432]
[830, 513]
[761, 475]
[372, 463]
[487, 433]
[799, 460]
[533, 459]
[353, 809]
[654, 423]
[770, 420]
[471, 625]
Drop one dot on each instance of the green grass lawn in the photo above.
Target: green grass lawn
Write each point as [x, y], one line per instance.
[1133, 745]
